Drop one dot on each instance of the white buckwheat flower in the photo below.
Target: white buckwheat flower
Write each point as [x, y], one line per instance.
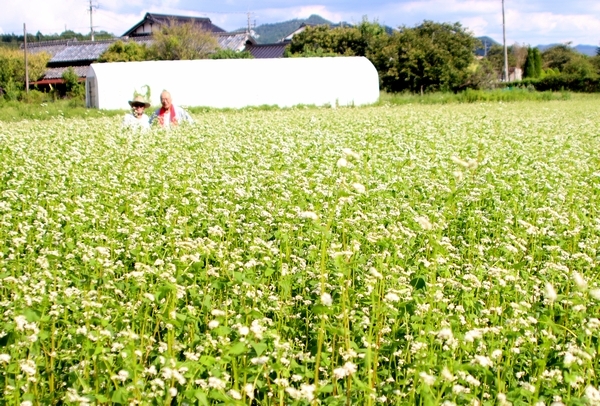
[326, 299]
[550, 293]
[311, 215]
[579, 281]
[359, 187]
[427, 379]
[424, 223]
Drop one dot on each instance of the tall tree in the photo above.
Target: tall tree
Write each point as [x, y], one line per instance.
[495, 56]
[12, 67]
[182, 41]
[537, 59]
[428, 57]
[558, 56]
[529, 68]
[321, 40]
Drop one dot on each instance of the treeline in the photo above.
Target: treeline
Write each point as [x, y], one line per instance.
[428, 57]
[441, 57]
[14, 40]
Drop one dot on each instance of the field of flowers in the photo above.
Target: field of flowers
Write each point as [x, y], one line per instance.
[387, 255]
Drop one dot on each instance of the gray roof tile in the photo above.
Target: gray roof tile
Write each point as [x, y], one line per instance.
[261, 51]
[56, 73]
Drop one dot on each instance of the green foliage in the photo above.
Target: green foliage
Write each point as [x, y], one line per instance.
[482, 75]
[428, 57]
[75, 89]
[231, 54]
[580, 66]
[147, 95]
[506, 95]
[322, 40]
[495, 56]
[558, 82]
[40, 106]
[129, 51]
[278, 258]
[12, 70]
[16, 39]
[558, 56]
[530, 69]
[537, 59]
[182, 42]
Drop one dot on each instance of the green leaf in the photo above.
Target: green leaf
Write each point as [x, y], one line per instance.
[418, 283]
[326, 389]
[120, 396]
[320, 309]
[237, 348]
[201, 396]
[259, 348]
[31, 315]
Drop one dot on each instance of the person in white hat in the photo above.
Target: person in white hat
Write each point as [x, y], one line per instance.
[137, 118]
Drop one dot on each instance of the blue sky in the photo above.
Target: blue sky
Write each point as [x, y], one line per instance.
[533, 22]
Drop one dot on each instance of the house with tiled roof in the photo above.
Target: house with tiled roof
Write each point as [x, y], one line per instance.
[79, 55]
[64, 54]
[152, 22]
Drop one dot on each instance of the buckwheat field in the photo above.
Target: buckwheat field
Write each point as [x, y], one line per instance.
[414, 255]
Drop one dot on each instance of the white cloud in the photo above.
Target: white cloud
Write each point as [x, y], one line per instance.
[534, 22]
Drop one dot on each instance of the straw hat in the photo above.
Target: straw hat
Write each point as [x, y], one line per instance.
[139, 99]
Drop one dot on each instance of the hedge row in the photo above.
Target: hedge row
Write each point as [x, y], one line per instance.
[562, 82]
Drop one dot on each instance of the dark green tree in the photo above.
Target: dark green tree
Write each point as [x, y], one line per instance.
[558, 56]
[75, 89]
[537, 59]
[363, 39]
[429, 57]
[495, 56]
[129, 51]
[529, 68]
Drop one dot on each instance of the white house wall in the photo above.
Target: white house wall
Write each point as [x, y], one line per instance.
[236, 83]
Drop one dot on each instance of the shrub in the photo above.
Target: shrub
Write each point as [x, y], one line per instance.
[75, 89]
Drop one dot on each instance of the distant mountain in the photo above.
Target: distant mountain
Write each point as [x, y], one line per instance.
[271, 33]
[589, 50]
[486, 44]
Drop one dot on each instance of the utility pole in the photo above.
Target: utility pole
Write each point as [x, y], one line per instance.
[504, 40]
[26, 67]
[91, 20]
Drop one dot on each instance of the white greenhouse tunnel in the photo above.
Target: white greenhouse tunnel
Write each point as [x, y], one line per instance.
[236, 83]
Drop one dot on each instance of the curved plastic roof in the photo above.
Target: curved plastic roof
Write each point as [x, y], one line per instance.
[238, 83]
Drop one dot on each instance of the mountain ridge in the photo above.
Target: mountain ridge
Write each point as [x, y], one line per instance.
[274, 32]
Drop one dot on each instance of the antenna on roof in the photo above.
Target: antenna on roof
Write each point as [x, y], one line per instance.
[92, 7]
[250, 25]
